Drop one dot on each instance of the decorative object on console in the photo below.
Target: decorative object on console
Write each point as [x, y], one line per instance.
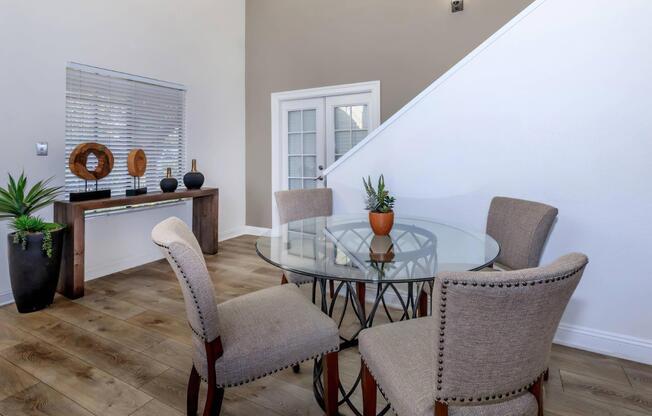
[169, 184]
[78, 165]
[136, 165]
[193, 179]
[380, 205]
[34, 246]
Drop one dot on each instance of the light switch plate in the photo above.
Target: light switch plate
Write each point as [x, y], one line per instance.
[41, 148]
[457, 5]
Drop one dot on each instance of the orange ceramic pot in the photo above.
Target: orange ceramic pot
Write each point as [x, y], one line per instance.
[381, 222]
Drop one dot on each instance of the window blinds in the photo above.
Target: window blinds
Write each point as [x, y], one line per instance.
[125, 112]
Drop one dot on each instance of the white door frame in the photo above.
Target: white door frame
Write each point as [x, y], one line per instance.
[278, 98]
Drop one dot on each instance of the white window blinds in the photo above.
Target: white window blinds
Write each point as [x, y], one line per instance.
[125, 112]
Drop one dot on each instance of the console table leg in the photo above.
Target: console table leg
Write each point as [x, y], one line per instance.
[204, 221]
[71, 277]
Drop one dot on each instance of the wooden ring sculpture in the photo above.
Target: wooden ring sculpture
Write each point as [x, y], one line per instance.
[137, 162]
[79, 158]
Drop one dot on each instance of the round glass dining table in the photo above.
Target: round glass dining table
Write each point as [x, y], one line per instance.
[341, 253]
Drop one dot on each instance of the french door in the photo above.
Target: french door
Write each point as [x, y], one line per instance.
[315, 132]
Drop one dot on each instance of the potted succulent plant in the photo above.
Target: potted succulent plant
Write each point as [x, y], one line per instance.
[380, 205]
[34, 246]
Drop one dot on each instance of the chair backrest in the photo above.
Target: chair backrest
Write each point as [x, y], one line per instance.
[184, 254]
[496, 328]
[298, 204]
[521, 228]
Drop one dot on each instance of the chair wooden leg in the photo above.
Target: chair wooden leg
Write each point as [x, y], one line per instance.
[213, 401]
[284, 280]
[361, 289]
[441, 409]
[546, 375]
[331, 383]
[537, 391]
[193, 392]
[369, 392]
[423, 304]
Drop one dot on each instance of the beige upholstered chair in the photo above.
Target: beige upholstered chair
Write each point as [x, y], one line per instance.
[484, 350]
[521, 229]
[299, 204]
[242, 339]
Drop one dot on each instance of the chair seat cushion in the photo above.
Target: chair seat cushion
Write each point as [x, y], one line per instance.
[401, 358]
[267, 331]
[297, 278]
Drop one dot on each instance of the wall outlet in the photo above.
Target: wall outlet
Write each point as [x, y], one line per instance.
[41, 148]
[457, 6]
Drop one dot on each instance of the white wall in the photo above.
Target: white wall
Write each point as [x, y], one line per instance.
[198, 43]
[555, 108]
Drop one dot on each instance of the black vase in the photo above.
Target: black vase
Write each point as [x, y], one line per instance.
[169, 184]
[34, 275]
[193, 179]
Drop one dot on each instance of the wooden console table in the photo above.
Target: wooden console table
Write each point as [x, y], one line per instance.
[71, 280]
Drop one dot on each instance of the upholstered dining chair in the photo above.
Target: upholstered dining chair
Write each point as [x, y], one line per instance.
[243, 339]
[299, 204]
[482, 352]
[521, 228]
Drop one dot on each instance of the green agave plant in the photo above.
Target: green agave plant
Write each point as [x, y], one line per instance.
[18, 203]
[15, 202]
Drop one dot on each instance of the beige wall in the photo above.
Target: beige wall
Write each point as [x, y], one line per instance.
[294, 44]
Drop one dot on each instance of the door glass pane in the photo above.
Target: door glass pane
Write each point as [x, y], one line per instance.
[359, 117]
[294, 143]
[342, 118]
[342, 142]
[351, 126]
[309, 120]
[357, 136]
[294, 121]
[309, 143]
[309, 166]
[309, 183]
[295, 167]
[294, 184]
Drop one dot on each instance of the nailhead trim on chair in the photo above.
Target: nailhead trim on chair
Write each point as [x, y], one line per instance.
[442, 329]
[380, 388]
[192, 292]
[249, 380]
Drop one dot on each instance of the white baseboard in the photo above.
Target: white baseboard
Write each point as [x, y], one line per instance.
[251, 230]
[603, 342]
[6, 297]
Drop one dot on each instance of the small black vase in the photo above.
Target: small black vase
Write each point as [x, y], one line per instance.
[193, 179]
[169, 184]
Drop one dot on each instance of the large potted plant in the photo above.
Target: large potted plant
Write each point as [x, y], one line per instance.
[34, 245]
[380, 206]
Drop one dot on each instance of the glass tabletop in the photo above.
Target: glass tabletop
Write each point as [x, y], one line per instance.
[343, 247]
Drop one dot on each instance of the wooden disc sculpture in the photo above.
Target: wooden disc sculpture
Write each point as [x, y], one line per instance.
[79, 158]
[137, 163]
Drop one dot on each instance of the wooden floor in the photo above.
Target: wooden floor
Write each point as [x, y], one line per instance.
[124, 349]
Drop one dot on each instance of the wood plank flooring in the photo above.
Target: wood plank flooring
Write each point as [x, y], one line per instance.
[124, 349]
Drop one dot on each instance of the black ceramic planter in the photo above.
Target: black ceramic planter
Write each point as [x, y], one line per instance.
[33, 274]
